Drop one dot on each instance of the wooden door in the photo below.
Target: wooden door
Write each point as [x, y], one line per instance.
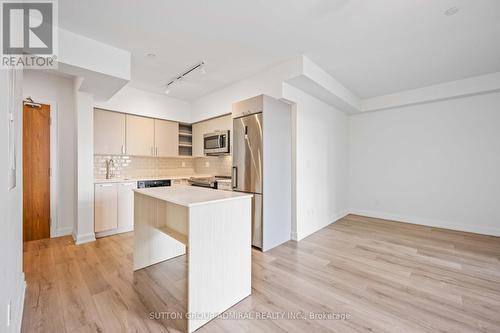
[166, 138]
[140, 136]
[36, 172]
[109, 133]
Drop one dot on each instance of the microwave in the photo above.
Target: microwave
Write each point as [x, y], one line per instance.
[216, 143]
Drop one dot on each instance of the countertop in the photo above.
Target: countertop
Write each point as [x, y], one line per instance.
[189, 196]
[124, 180]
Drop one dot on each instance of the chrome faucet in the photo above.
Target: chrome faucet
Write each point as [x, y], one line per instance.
[110, 164]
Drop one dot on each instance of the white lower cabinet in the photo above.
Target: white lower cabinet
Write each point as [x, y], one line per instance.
[105, 207]
[113, 208]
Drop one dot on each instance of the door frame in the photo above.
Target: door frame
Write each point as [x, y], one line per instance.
[54, 221]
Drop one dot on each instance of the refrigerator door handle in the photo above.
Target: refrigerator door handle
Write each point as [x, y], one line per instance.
[234, 177]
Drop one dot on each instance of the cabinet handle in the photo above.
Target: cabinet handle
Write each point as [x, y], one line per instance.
[156, 151]
[234, 177]
[106, 185]
[123, 149]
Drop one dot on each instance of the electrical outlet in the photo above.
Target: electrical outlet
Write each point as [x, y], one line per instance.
[8, 314]
[207, 164]
[183, 164]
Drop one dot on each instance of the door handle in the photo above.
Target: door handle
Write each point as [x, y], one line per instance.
[234, 177]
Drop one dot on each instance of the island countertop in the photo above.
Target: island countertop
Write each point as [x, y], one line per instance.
[189, 196]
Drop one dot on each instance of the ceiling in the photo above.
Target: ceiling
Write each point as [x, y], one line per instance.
[373, 47]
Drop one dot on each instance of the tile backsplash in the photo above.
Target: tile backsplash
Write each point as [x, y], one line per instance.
[216, 165]
[137, 167]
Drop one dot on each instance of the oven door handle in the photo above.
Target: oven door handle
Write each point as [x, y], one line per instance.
[221, 141]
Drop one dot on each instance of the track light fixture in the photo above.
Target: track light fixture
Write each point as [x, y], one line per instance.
[179, 78]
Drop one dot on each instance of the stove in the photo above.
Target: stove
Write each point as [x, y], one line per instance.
[210, 182]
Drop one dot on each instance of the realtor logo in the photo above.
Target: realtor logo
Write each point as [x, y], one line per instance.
[28, 33]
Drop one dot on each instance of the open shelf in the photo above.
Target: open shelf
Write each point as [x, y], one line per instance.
[175, 234]
[185, 140]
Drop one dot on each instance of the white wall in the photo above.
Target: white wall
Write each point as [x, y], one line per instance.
[58, 92]
[321, 163]
[434, 164]
[269, 82]
[77, 50]
[84, 115]
[102, 75]
[12, 285]
[144, 103]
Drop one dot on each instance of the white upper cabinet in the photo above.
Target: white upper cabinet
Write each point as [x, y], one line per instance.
[140, 136]
[223, 123]
[251, 106]
[198, 131]
[166, 138]
[109, 133]
[124, 134]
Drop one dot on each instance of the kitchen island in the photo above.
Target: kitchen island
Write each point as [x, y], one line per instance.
[213, 228]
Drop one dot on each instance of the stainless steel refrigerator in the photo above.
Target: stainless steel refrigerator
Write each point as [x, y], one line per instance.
[262, 166]
[248, 166]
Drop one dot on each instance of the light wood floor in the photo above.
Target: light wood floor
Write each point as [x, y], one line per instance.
[387, 276]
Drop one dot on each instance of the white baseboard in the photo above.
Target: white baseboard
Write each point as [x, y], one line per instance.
[18, 321]
[293, 236]
[63, 232]
[120, 230]
[429, 222]
[82, 239]
[333, 220]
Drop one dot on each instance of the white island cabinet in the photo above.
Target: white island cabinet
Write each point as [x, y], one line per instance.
[213, 228]
[126, 205]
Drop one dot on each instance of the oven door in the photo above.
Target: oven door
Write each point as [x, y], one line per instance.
[216, 143]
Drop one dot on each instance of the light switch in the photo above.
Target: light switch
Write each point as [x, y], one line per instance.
[207, 164]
